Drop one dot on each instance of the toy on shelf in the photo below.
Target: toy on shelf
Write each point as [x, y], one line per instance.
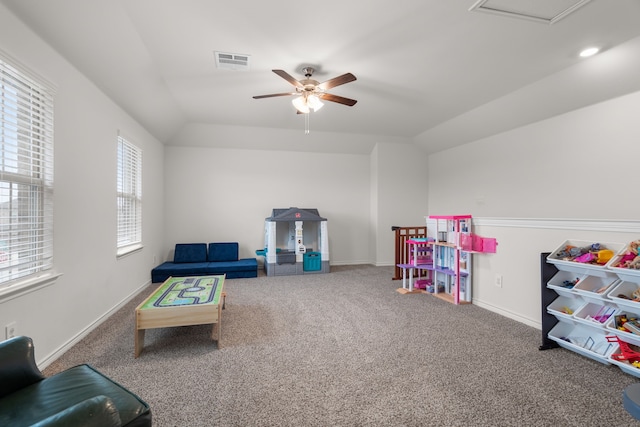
[627, 351]
[631, 257]
[592, 254]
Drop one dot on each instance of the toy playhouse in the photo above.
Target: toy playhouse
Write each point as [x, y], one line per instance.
[290, 237]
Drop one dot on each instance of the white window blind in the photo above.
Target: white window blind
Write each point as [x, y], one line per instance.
[129, 196]
[26, 174]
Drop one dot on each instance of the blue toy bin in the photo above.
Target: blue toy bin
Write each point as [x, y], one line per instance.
[312, 261]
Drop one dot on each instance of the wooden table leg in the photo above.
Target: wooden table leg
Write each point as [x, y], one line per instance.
[139, 341]
[216, 332]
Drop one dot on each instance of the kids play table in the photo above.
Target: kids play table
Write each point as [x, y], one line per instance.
[181, 301]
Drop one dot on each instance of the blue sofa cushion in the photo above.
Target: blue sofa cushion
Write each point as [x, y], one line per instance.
[245, 264]
[167, 269]
[190, 252]
[222, 252]
[241, 274]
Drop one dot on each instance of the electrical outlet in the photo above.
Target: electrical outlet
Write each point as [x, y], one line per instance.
[11, 330]
[498, 280]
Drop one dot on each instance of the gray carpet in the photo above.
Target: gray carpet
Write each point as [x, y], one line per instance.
[346, 349]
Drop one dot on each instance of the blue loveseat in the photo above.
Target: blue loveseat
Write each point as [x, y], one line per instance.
[200, 259]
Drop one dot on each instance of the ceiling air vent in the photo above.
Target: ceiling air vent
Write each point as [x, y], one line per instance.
[545, 11]
[232, 61]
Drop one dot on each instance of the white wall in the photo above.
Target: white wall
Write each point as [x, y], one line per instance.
[580, 165]
[374, 202]
[354, 187]
[518, 259]
[220, 194]
[223, 194]
[401, 176]
[93, 281]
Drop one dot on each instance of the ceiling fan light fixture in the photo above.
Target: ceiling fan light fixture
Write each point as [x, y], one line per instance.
[314, 102]
[301, 104]
[305, 103]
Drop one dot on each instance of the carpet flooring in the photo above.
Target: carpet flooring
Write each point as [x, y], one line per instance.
[346, 349]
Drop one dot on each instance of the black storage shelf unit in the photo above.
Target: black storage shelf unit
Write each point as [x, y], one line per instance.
[547, 271]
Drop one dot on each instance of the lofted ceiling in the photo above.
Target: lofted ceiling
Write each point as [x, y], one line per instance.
[428, 71]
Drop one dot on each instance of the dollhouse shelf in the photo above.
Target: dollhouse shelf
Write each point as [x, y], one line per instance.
[440, 257]
[442, 260]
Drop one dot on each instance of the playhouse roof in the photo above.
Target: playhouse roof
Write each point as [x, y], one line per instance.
[295, 214]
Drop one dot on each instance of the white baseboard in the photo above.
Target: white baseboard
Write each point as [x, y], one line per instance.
[514, 316]
[52, 357]
[354, 262]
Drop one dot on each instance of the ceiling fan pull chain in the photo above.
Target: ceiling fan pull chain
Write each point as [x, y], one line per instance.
[306, 123]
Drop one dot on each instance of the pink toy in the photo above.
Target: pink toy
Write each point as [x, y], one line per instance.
[630, 259]
[588, 257]
[626, 258]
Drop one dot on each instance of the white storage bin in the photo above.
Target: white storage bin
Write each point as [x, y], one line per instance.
[594, 288]
[580, 267]
[584, 340]
[559, 280]
[625, 365]
[563, 308]
[595, 315]
[622, 296]
[624, 335]
[627, 274]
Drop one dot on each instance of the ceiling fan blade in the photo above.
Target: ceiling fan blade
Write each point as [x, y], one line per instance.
[274, 94]
[339, 99]
[288, 78]
[337, 81]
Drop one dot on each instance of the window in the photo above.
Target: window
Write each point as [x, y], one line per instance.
[129, 196]
[26, 174]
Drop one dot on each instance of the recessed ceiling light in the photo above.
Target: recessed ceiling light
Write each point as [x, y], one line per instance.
[590, 51]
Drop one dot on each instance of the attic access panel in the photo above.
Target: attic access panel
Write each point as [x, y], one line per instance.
[545, 11]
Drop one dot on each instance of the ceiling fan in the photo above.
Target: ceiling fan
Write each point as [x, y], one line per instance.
[309, 92]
